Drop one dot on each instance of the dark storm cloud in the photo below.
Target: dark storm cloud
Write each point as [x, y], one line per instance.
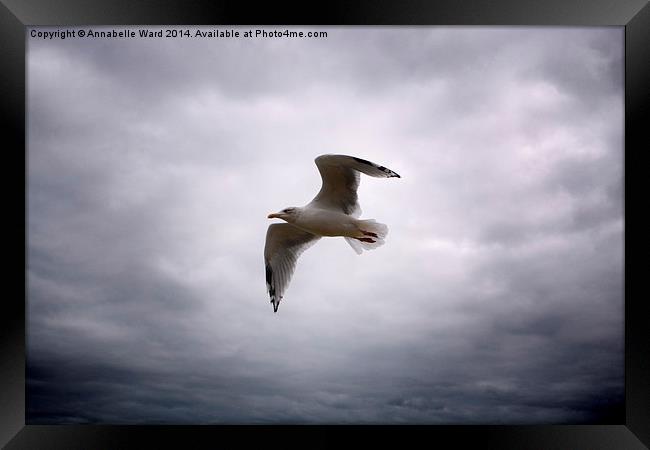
[497, 298]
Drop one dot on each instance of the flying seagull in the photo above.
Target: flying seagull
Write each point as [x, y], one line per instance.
[333, 212]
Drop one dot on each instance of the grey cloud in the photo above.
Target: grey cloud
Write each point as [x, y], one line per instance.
[497, 298]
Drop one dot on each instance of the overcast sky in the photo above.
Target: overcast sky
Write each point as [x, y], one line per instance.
[497, 298]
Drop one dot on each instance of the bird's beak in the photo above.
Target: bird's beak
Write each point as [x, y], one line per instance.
[274, 216]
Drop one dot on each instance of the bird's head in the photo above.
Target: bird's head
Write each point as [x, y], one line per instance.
[287, 214]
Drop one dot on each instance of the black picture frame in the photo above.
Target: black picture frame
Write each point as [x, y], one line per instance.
[15, 15]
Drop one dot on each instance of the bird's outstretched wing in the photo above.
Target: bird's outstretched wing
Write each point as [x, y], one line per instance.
[340, 174]
[284, 244]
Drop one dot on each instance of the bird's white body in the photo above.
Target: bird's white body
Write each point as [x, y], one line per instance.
[323, 222]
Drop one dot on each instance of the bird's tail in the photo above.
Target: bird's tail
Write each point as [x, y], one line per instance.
[370, 236]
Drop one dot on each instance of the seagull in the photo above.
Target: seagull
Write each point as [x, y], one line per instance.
[333, 212]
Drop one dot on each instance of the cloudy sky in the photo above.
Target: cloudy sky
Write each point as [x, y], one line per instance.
[497, 298]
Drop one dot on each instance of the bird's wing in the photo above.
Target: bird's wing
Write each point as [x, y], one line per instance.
[340, 174]
[284, 244]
